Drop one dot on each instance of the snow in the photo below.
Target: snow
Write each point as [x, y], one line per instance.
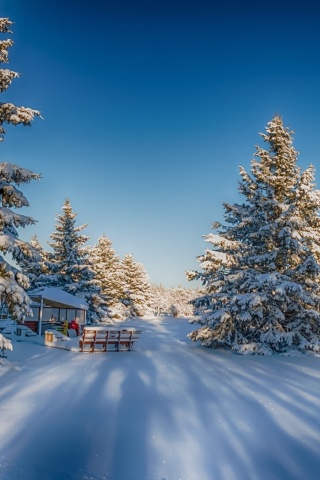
[57, 296]
[5, 343]
[170, 410]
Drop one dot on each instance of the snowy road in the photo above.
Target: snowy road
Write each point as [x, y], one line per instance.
[168, 411]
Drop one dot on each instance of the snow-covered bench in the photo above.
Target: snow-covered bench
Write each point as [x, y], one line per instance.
[24, 331]
[102, 339]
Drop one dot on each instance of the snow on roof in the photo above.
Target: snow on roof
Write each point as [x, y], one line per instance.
[58, 298]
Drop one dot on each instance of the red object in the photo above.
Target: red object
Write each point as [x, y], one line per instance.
[73, 324]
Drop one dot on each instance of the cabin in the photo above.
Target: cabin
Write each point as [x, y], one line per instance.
[53, 308]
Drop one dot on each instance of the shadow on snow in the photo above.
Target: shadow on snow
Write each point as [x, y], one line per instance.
[170, 410]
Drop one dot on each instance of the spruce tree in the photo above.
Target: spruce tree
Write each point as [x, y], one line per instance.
[12, 282]
[137, 294]
[109, 276]
[262, 274]
[108, 270]
[36, 266]
[69, 265]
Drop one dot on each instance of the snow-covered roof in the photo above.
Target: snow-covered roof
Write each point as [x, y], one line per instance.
[56, 297]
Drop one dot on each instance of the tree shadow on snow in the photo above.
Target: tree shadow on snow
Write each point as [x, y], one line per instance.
[168, 410]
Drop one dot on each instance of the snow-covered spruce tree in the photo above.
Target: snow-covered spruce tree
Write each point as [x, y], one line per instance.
[69, 266]
[12, 282]
[137, 293]
[109, 275]
[262, 274]
[108, 269]
[36, 267]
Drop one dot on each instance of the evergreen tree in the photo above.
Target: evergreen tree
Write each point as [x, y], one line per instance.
[108, 270]
[137, 296]
[109, 276]
[262, 274]
[35, 267]
[70, 268]
[12, 282]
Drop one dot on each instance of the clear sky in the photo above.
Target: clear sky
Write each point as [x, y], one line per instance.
[149, 109]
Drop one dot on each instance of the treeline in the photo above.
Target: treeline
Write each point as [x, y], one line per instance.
[114, 288]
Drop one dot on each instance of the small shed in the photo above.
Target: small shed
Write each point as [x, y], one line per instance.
[52, 307]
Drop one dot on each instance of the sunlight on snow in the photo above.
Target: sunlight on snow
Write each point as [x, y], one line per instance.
[172, 409]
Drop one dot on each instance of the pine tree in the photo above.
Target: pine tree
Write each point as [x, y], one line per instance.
[109, 275]
[137, 294]
[262, 274]
[12, 282]
[70, 268]
[36, 266]
[108, 270]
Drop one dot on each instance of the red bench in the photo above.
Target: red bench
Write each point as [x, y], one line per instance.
[102, 339]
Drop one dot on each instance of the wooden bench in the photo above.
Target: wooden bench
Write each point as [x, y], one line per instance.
[127, 339]
[101, 339]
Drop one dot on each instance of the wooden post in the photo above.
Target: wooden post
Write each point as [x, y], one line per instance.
[40, 317]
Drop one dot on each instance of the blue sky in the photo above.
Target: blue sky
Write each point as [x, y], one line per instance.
[149, 109]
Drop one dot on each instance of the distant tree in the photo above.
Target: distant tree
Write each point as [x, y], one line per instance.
[137, 292]
[180, 301]
[70, 268]
[108, 270]
[109, 275]
[159, 299]
[175, 301]
[262, 274]
[12, 282]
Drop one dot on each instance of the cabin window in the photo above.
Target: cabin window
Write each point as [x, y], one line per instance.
[71, 314]
[80, 317]
[63, 315]
[50, 314]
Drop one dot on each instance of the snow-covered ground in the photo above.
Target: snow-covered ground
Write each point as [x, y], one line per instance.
[170, 410]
